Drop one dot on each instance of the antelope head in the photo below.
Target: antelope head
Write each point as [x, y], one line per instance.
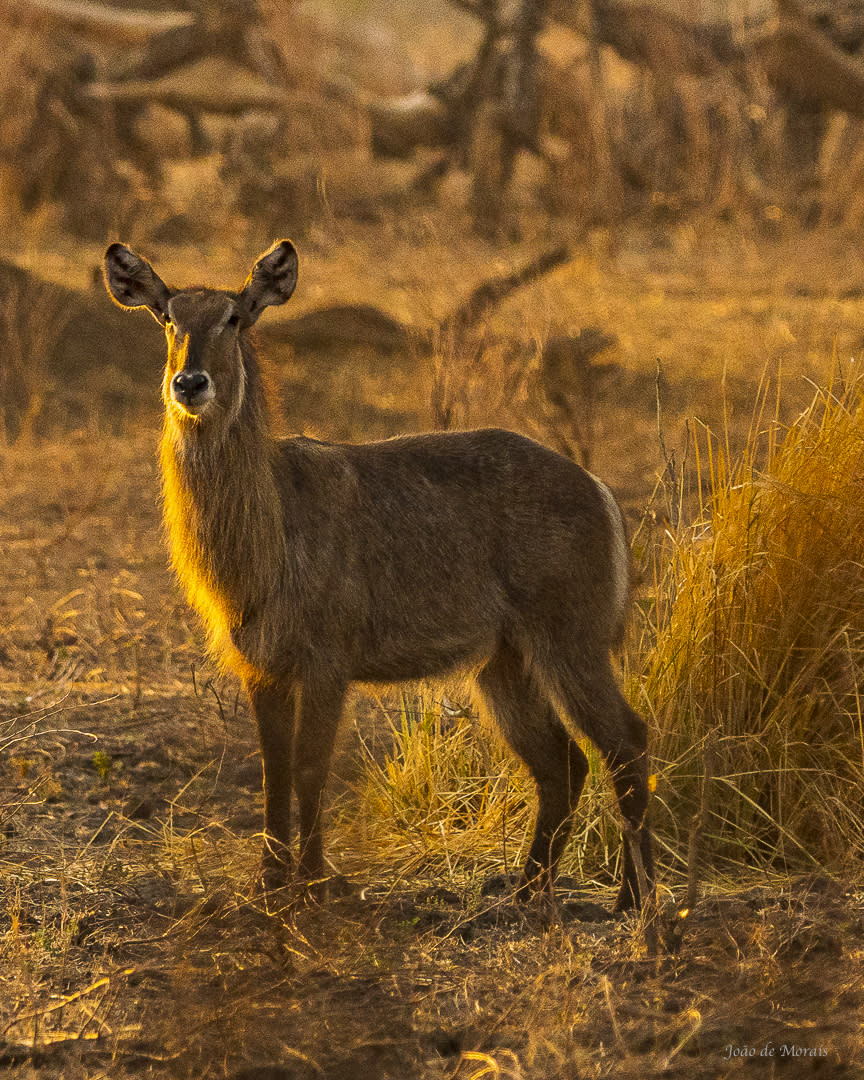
[205, 373]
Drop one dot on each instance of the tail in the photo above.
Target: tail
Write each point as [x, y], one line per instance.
[619, 557]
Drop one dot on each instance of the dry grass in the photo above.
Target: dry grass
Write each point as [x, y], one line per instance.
[753, 679]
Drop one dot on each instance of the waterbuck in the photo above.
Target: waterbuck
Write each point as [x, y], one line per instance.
[315, 564]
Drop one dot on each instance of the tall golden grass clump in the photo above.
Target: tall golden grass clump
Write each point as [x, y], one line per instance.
[440, 794]
[754, 678]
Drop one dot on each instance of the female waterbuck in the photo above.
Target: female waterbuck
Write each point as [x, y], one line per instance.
[315, 564]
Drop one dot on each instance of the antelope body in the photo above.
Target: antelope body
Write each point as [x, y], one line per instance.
[314, 565]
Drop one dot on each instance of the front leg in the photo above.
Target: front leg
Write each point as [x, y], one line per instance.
[321, 698]
[274, 706]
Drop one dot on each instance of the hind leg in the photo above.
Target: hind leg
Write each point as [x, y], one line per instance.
[627, 760]
[533, 730]
[592, 697]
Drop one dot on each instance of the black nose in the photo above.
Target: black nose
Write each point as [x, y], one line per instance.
[187, 385]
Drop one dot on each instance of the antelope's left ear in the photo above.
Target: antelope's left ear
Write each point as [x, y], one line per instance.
[132, 282]
[272, 280]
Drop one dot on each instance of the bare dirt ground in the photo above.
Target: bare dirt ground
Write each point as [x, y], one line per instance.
[132, 940]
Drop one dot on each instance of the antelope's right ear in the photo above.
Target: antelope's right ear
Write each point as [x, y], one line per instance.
[272, 280]
[133, 283]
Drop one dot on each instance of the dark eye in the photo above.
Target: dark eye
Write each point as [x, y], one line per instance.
[233, 320]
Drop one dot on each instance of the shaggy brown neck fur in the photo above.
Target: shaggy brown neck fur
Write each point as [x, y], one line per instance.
[225, 522]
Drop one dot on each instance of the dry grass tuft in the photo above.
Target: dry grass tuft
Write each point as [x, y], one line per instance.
[753, 679]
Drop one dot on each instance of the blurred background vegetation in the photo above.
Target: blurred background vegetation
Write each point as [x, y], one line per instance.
[488, 128]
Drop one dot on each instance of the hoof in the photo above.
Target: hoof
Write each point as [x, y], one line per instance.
[338, 885]
[321, 889]
[628, 899]
[276, 870]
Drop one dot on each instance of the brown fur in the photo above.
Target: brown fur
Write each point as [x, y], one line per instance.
[314, 565]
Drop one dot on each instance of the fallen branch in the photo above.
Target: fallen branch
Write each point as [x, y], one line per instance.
[347, 324]
[104, 22]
